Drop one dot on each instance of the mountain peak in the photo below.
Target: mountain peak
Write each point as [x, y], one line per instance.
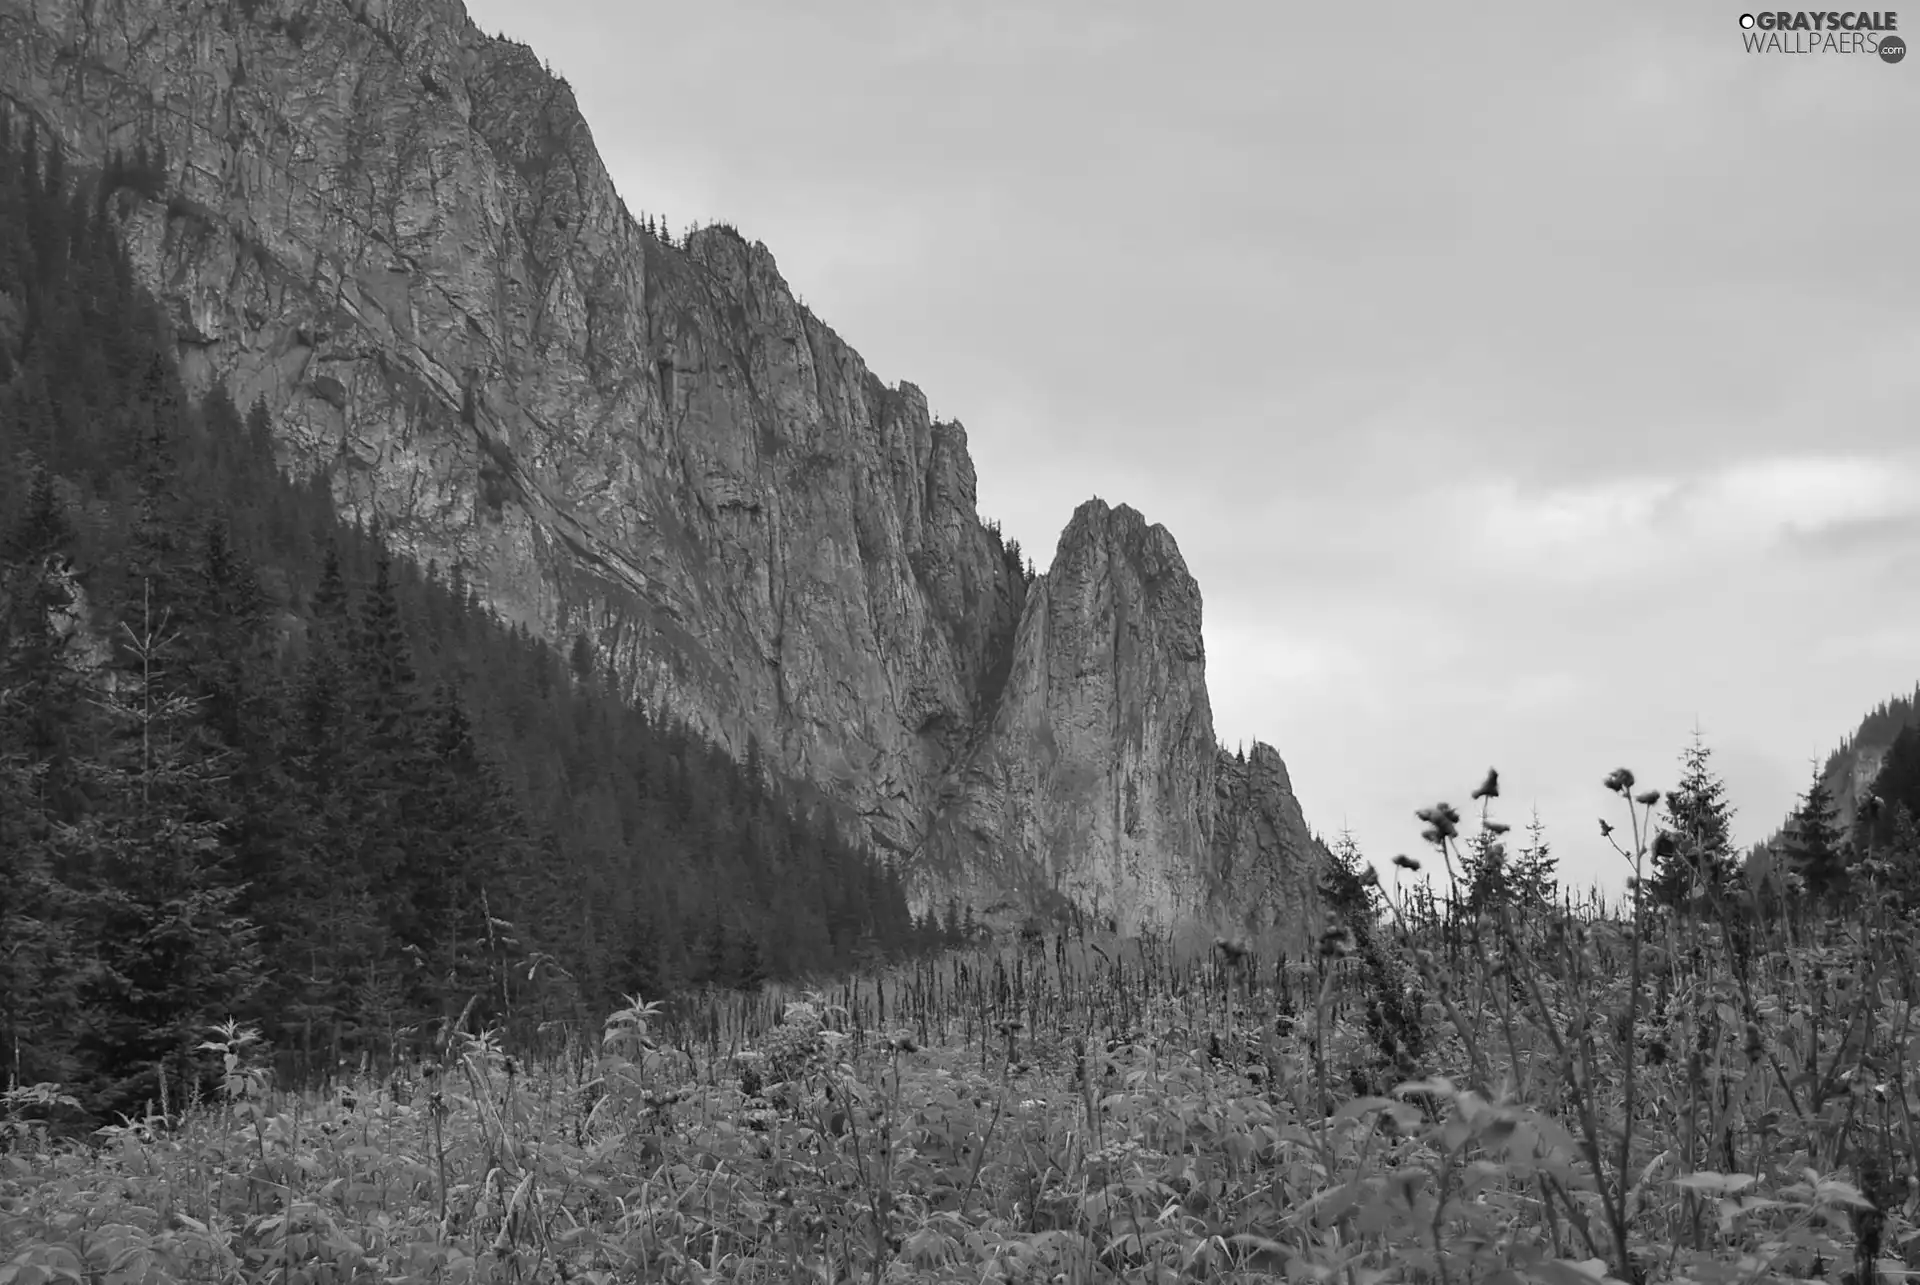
[648, 441]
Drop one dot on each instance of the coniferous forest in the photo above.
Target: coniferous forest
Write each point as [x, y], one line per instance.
[253, 766]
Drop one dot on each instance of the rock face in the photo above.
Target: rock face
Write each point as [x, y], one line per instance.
[397, 230]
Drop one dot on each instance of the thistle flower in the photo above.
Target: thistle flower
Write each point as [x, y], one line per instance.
[1406, 862]
[1619, 781]
[1647, 797]
[1489, 788]
[1606, 827]
[1497, 827]
[1442, 818]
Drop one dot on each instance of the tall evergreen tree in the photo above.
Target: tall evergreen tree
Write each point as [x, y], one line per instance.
[1698, 819]
[1347, 893]
[172, 951]
[1815, 846]
[1487, 876]
[1535, 873]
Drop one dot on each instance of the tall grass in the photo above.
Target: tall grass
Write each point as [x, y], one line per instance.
[1564, 1094]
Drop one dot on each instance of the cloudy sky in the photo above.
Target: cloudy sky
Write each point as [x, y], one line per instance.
[1522, 383]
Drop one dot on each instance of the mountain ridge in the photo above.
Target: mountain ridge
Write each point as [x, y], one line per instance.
[396, 231]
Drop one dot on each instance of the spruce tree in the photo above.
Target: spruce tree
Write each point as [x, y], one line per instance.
[1698, 819]
[1348, 894]
[1815, 847]
[1488, 881]
[1535, 873]
[40, 692]
[172, 951]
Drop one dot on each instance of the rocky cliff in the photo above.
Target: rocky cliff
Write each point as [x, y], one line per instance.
[396, 230]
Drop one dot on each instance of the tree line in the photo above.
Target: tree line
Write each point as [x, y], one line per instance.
[254, 766]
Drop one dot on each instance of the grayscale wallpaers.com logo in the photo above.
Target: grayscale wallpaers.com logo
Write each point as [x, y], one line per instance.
[1824, 33]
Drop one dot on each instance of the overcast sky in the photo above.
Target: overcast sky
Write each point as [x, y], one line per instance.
[1522, 383]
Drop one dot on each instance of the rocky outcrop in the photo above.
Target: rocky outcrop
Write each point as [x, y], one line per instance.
[1101, 760]
[397, 231]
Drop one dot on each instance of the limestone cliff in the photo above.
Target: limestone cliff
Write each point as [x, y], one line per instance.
[397, 231]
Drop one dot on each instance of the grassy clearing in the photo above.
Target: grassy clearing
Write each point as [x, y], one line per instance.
[1559, 1096]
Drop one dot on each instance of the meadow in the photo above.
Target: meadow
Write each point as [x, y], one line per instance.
[1530, 1093]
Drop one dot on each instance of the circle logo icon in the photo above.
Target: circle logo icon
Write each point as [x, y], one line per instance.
[1746, 22]
[1892, 49]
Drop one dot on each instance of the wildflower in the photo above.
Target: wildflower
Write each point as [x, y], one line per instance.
[1442, 817]
[1619, 781]
[1497, 827]
[1606, 827]
[1406, 862]
[1647, 797]
[1489, 788]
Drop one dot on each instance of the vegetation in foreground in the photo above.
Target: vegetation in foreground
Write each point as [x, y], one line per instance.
[1531, 1092]
[233, 730]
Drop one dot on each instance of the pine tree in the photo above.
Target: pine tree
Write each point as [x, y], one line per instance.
[172, 952]
[1535, 872]
[1347, 893]
[40, 691]
[478, 840]
[1695, 864]
[1487, 878]
[392, 838]
[333, 933]
[40, 682]
[1815, 848]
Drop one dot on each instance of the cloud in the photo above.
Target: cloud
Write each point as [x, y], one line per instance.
[1891, 534]
[1270, 653]
[1628, 526]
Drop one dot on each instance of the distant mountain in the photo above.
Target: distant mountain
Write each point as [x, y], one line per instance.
[396, 230]
[1851, 770]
